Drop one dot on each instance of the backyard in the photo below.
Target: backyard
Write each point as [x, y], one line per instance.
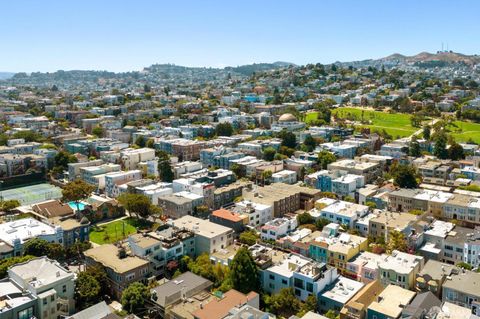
[116, 230]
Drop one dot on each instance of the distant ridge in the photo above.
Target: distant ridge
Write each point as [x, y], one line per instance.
[443, 56]
[6, 75]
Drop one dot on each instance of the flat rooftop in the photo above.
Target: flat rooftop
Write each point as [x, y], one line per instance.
[200, 227]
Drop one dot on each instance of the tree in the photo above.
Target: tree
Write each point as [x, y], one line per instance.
[305, 218]
[266, 176]
[63, 158]
[237, 170]
[440, 148]
[243, 272]
[269, 154]
[87, 290]
[76, 191]
[150, 143]
[310, 143]
[414, 149]
[288, 139]
[8, 205]
[137, 204]
[396, 241]
[321, 222]
[456, 152]
[405, 176]
[6, 263]
[98, 131]
[134, 296]
[164, 167]
[40, 247]
[248, 237]
[284, 304]
[371, 205]
[325, 158]
[224, 129]
[426, 132]
[310, 304]
[141, 141]
[331, 314]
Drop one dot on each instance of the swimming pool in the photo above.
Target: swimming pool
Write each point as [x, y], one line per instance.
[73, 205]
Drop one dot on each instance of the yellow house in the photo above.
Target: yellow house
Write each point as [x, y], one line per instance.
[343, 248]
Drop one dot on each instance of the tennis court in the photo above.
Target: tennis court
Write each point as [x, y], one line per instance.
[32, 194]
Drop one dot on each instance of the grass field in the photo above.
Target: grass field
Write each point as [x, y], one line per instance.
[114, 231]
[396, 124]
[465, 131]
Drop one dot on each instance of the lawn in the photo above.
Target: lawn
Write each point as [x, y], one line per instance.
[465, 131]
[396, 124]
[114, 231]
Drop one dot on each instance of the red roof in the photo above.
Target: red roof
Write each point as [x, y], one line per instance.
[226, 214]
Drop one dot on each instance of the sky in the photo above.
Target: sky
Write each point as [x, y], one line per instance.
[121, 35]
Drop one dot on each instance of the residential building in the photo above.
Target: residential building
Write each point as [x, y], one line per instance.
[462, 289]
[277, 228]
[122, 270]
[400, 269]
[50, 284]
[433, 275]
[338, 293]
[209, 237]
[356, 307]
[219, 308]
[229, 219]
[364, 267]
[304, 275]
[390, 303]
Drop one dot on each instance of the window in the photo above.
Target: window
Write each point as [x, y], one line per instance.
[284, 282]
[25, 314]
[64, 288]
[44, 301]
[309, 287]
[272, 277]
[52, 298]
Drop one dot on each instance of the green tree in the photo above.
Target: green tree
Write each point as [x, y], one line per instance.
[141, 141]
[456, 152]
[87, 290]
[76, 191]
[284, 304]
[41, 247]
[325, 158]
[6, 263]
[269, 154]
[414, 148]
[224, 129]
[310, 143]
[63, 158]
[164, 168]
[396, 241]
[98, 131]
[440, 148]
[405, 176]
[8, 205]
[244, 273]
[150, 143]
[237, 170]
[136, 204]
[134, 296]
[426, 132]
[321, 222]
[288, 139]
[331, 314]
[305, 218]
[266, 176]
[310, 304]
[248, 237]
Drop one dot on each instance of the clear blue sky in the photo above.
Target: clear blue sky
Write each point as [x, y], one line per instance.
[121, 35]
